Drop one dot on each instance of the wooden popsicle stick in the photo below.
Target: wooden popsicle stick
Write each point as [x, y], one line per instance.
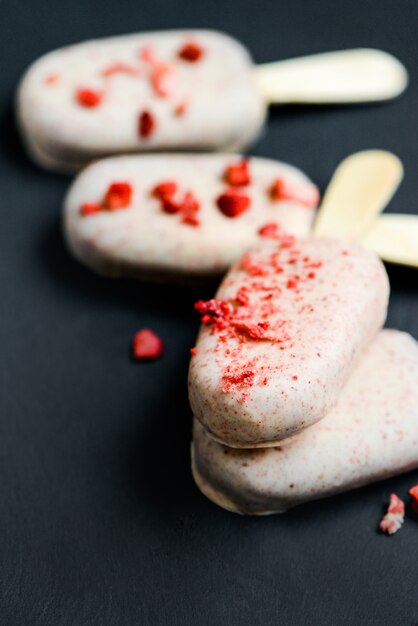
[360, 188]
[346, 76]
[394, 237]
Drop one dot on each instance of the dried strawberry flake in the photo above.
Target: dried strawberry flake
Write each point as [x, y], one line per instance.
[413, 492]
[118, 196]
[146, 345]
[233, 203]
[394, 517]
[89, 208]
[146, 124]
[88, 98]
[163, 80]
[191, 51]
[306, 194]
[238, 174]
[270, 230]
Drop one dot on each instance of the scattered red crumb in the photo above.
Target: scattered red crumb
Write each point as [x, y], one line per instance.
[148, 55]
[163, 80]
[51, 79]
[191, 51]
[311, 275]
[146, 345]
[232, 203]
[292, 283]
[214, 311]
[88, 208]
[394, 517]
[181, 108]
[120, 68]
[193, 351]
[146, 124]
[238, 174]
[413, 492]
[118, 196]
[287, 190]
[88, 98]
[240, 378]
[242, 296]
[287, 241]
[294, 377]
[345, 253]
[252, 268]
[270, 230]
[164, 190]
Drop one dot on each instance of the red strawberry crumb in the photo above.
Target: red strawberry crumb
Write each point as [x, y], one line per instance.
[233, 203]
[394, 517]
[294, 377]
[51, 79]
[88, 98]
[146, 345]
[238, 174]
[193, 351]
[413, 492]
[163, 80]
[270, 231]
[148, 55]
[120, 68]
[89, 208]
[118, 196]
[306, 194]
[164, 190]
[146, 124]
[181, 108]
[292, 283]
[191, 51]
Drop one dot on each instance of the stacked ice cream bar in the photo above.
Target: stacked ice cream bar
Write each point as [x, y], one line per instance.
[297, 392]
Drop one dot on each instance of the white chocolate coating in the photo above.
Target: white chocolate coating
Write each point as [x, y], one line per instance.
[144, 241]
[314, 306]
[371, 434]
[223, 109]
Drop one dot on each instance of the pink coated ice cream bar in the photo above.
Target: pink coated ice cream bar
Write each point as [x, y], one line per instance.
[182, 217]
[280, 339]
[174, 90]
[371, 434]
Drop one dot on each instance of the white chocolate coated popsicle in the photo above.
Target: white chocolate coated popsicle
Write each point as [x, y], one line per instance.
[156, 234]
[371, 434]
[281, 337]
[173, 90]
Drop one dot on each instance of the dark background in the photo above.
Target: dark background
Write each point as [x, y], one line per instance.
[100, 522]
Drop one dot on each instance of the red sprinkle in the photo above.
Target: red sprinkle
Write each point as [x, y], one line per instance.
[165, 190]
[88, 98]
[270, 231]
[287, 190]
[238, 174]
[191, 51]
[163, 80]
[118, 196]
[146, 125]
[120, 68]
[88, 208]
[413, 492]
[147, 345]
[232, 203]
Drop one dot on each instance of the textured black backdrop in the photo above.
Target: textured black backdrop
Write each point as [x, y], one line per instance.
[100, 522]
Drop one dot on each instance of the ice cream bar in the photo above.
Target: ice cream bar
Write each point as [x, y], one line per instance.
[183, 217]
[154, 91]
[177, 90]
[371, 434]
[281, 337]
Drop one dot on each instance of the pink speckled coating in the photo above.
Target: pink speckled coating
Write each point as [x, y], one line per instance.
[371, 434]
[323, 301]
[223, 107]
[144, 241]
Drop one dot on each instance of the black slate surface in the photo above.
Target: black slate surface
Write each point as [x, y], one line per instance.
[100, 522]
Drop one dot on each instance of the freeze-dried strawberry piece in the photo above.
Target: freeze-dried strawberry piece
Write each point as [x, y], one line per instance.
[270, 231]
[413, 492]
[394, 517]
[163, 80]
[51, 79]
[306, 194]
[191, 51]
[238, 174]
[147, 345]
[118, 196]
[164, 190]
[146, 124]
[120, 68]
[88, 98]
[89, 208]
[232, 203]
[147, 54]
[181, 108]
